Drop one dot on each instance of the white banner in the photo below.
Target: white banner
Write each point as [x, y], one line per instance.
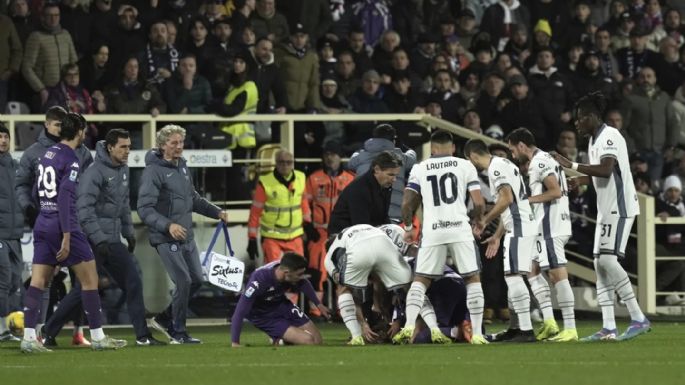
[195, 158]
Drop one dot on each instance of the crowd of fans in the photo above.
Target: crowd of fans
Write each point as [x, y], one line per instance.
[491, 66]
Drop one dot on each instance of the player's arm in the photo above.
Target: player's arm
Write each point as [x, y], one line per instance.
[306, 287]
[552, 191]
[602, 170]
[505, 197]
[493, 241]
[65, 200]
[243, 308]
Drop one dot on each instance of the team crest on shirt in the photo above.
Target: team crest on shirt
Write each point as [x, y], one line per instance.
[49, 154]
[74, 165]
[174, 247]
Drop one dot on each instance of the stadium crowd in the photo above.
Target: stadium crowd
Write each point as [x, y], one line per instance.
[491, 66]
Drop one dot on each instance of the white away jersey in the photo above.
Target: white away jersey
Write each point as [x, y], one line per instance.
[518, 218]
[443, 183]
[615, 195]
[552, 217]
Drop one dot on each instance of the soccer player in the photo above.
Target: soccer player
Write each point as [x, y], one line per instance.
[353, 255]
[265, 305]
[59, 240]
[442, 184]
[105, 215]
[549, 200]
[617, 206]
[166, 202]
[518, 221]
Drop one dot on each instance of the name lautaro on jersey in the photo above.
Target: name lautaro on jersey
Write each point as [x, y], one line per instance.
[437, 166]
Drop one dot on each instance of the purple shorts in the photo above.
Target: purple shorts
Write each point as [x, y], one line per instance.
[275, 322]
[46, 246]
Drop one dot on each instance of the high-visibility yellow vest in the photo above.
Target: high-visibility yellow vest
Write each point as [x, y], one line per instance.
[282, 215]
[243, 133]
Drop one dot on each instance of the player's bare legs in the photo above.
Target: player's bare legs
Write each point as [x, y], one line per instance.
[307, 334]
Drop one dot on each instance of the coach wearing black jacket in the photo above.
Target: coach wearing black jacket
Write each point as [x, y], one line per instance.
[366, 200]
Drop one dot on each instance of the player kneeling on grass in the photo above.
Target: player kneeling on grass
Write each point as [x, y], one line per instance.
[265, 305]
[59, 240]
[353, 255]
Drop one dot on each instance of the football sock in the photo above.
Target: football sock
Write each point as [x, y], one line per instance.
[605, 297]
[624, 289]
[348, 312]
[540, 288]
[513, 318]
[45, 303]
[415, 299]
[32, 307]
[475, 302]
[520, 299]
[3, 327]
[428, 314]
[566, 302]
[91, 305]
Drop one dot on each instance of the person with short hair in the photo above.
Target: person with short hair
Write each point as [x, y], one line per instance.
[166, 202]
[265, 305]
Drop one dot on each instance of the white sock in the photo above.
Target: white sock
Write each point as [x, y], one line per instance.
[454, 332]
[520, 300]
[605, 298]
[348, 312]
[3, 325]
[97, 334]
[513, 318]
[619, 278]
[566, 303]
[540, 288]
[29, 334]
[428, 314]
[475, 302]
[415, 298]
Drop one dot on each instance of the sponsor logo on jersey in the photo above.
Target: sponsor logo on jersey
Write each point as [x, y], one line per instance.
[49, 154]
[446, 224]
[249, 292]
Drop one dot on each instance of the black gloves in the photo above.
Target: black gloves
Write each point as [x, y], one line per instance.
[102, 249]
[252, 249]
[131, 244]
[312, 234]
[31, 216]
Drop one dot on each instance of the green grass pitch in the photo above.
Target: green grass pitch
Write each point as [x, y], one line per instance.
[657, 358]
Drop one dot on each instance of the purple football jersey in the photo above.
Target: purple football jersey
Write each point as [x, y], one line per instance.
[57, 179]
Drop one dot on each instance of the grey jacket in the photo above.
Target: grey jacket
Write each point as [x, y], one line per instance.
[167, 196]
[26, 175]
[11, 215]
[361, 160]
[651, 123]
[103, 199]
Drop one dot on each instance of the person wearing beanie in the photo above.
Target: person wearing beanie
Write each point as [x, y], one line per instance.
[670, 275]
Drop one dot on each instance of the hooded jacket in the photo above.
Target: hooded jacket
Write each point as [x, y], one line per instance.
[167, 196]
[360, 163]
[11, 215]
[26, 175]
[103, 199]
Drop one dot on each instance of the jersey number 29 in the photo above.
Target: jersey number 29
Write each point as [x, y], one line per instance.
[47, 185]
[445, 189]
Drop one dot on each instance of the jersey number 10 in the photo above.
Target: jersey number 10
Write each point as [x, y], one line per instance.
[448, 181]
[47, 185]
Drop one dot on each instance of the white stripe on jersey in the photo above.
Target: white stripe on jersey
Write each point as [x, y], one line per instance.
[518, 218]
[552, 217]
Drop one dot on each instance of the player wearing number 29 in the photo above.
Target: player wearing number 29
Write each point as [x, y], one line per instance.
[617, 207]
[443, 183]
[59, 240]
[511, 202]
[549, 199]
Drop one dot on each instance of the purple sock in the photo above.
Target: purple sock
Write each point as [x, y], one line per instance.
[91, 305]
[33, 301]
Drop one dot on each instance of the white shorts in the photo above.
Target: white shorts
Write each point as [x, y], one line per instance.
[611, 235]
[430, 261]
[518, 253]
[549, 252]
[377, 255]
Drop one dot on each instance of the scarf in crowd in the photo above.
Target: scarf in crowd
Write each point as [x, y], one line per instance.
[606, 64]
[298, 52]
[173, 59]
[634, 62]
[78, 99]
[508, 21]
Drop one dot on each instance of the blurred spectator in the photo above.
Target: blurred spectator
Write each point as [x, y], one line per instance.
[248, 38]
[315, 15]
[653, 17]
[400, 63]
[360, 51]
[518, 47]
[240, 17]
[590, 77]
[503, 62]
[679, 108]
[673, 26]
[46, 51]
[172, 34]
[446, 93]
[103, 20]
[555, 12]
[571, 62]
[620, 37]
[607, 59]
[637, 56]
[670, 275]
[384, 140]
[265, 74]
[478, 7]
[213, 10]
[346, 74]
[242, 99]
[651, 125]
[22, 19]
[448, 26]
[267, 22]
[401, 96]
[72, 95]
[617, 8]
[299, 69]
[327, 57]
[422, 54]
[186, 92]
[577, 29]
[492, 99]
[180, 12]
[333, 103]
[95, 68]
[523, 111]
[469, 89]
[77, 22]
[159, 58]
[567, 145]
[130, 36]
[466, 27]
[671, 72]
[643, 184]
[374, 18]
[614, 118]
[484, 55]
[553, 93]
[366, 100]
[382, 53]
[223, 52]
[500, 18]
[130, 95]
[199, 44]
[542, 39]
[11, 53]
[457, 57]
